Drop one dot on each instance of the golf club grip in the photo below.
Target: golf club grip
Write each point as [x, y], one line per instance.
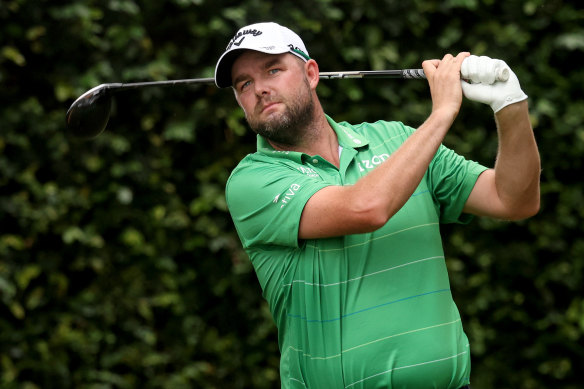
[401, 73]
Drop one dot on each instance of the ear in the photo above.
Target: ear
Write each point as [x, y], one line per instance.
[312, 73]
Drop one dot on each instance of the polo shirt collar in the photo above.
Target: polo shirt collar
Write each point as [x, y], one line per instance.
[348, 138]
[345, 134]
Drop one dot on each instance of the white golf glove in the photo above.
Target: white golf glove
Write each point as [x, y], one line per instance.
[485, 82]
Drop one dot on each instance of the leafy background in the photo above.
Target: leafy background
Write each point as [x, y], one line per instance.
[119, 264]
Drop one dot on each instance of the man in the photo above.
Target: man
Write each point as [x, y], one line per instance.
[341, 221]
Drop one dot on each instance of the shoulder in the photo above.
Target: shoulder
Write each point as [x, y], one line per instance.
[381, 128]
[385, 135]
[258, 165]
[259, 173]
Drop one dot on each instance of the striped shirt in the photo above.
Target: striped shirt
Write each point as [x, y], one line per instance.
[364, 310]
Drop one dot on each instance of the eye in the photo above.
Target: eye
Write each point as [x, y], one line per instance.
[244, 85]
[273, 71]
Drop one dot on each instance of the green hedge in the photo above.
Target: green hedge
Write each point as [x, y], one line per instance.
[119, 264]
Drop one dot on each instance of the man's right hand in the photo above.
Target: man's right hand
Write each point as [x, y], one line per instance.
[444, 80]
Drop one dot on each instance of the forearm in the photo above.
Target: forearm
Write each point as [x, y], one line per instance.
[517, 168]
[388, 187]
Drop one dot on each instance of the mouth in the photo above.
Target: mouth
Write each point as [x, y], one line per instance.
[268, 106]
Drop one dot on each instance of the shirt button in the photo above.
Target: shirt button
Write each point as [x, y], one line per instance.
[315, 160]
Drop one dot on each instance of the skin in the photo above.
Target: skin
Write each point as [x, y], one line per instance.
[266, 87]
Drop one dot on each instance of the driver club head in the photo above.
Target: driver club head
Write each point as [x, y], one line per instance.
[88, 115]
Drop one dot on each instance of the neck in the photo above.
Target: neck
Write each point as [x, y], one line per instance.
[320, 139]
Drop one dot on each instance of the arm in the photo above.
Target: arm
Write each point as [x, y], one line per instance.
[510, 190]
[375, 198]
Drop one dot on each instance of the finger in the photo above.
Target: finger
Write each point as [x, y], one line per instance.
[430, 67]
[452, 63]
[459, 59]
[450, 66]
[447, 57]
[462, 55]
[468, 90]
[467, 67]
[431, 62]
[482, 69]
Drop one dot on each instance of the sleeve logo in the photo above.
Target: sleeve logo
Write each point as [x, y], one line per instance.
[287, 196]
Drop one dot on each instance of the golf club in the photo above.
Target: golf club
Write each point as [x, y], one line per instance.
[88, 115]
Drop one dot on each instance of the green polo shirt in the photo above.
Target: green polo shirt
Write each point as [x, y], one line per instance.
[358, 311]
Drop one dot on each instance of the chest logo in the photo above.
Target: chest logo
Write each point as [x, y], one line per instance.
[368, 164]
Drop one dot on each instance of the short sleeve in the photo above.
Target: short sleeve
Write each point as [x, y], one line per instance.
[452, 178]
[266, 201]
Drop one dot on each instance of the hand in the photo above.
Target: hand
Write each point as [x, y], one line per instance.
[484, 87]
[444, 80]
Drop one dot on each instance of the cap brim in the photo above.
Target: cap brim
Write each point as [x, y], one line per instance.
[223, 69]
[225, 63]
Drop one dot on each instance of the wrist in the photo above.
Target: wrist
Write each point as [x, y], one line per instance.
[510, 99]
[512, 111]
[443, 117]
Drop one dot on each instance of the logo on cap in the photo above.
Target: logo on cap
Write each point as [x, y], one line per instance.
[242, 34]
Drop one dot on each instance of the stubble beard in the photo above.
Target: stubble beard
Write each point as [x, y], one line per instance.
[291, 126]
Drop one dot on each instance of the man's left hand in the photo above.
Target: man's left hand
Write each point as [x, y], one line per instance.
[480, 82]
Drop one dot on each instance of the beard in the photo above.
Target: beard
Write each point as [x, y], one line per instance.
[290, 126]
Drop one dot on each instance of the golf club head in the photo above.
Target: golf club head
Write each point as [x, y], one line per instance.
[88, 115]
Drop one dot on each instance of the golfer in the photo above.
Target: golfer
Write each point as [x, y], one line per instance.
[342, 221]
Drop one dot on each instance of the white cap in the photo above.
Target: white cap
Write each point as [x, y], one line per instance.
[270, 38]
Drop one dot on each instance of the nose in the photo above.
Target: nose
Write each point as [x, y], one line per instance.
[261, 88]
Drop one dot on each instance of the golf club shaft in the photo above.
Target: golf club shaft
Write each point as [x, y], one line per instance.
[402, 73]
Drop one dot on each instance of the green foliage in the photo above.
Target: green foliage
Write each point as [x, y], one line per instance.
[119, 264]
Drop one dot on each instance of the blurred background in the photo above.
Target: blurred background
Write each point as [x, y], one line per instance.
[119, 263]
